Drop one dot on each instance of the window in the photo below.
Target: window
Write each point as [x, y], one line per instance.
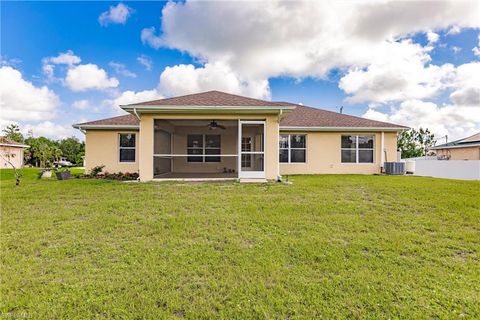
[293, 148]
[203, 148]
[127, 147]
[357, 149]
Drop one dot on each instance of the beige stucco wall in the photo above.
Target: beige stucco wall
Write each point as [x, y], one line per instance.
[16, 157]
[323, 149]
[472, 153]
[147, 134]
[324, 154]
[102, 148]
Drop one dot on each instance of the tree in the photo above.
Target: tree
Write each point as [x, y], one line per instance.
[415, 143]
[56, 153]
[72, 149]
[32, 154]
[44, 154]
[12, 132]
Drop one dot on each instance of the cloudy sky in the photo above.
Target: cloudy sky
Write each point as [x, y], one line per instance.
[410, 63]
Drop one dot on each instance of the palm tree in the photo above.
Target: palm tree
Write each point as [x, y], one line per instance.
[44, 154]
[56, 153]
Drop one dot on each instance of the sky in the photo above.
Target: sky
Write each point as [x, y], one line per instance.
[410, 63]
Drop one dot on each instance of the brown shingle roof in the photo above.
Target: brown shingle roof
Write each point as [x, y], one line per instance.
[212, 98]
[126, 120]
[304, 116]
[301, 116]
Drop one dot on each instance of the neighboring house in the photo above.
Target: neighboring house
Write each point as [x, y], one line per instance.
[11, 153]
[219, 135]
[463, 149]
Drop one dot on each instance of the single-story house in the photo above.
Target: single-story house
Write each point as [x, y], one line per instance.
[463, 149]
[219, 135]
[11, 153]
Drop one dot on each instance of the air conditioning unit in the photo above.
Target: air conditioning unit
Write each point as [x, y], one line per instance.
[395, 168]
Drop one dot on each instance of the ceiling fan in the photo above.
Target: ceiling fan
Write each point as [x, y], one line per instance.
[214, 125]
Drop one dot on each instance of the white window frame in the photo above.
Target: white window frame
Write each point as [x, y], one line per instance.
[203, 148]
[357, 149]
[126, 148]
[289, 148]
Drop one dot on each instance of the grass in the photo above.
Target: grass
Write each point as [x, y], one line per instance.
[324, 247]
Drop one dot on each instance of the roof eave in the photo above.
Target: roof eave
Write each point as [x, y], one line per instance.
[300, 128]
[456, 146]
[105, 127]
[14, 145]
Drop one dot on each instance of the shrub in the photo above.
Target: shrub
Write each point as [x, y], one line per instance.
[96, 170]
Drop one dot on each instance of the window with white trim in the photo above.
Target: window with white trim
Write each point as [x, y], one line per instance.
[127, 147]
[203, 147]
[357, 149]
[293, 148]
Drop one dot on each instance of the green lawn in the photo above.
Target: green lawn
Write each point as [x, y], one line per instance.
[333, 246]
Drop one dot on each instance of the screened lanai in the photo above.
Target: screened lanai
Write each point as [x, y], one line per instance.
[207, 149]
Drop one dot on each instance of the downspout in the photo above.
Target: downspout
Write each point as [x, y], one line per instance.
[136, 114]
[382, 155]
[279, 177]
[82, 131]
[138, 117]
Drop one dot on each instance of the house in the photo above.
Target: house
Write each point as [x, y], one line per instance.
[11, 153]
[220, 135]
[463, 149]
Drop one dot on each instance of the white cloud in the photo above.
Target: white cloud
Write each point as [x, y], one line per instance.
[68, 58]
[129, 96]
[466, 85]
[48, 129]
[81, 104]
[116, 15]
[459, 118]
[404, 75]
[145, 61]
[12, 62]
[456, 121]
[121, 69]
[454, 30]
[456, 49]
[258, 41]
[20, 100]
[476, 50]
[89, 76]
[148, 36]
[49, 71]
[432, 37]
[183, 79]
[299, 38]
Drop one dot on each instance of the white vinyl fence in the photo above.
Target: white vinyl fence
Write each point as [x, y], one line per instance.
[450, 169]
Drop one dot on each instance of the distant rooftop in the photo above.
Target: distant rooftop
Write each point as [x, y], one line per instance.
[465, 142]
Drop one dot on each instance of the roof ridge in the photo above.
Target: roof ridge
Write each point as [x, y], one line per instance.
[274, 103]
